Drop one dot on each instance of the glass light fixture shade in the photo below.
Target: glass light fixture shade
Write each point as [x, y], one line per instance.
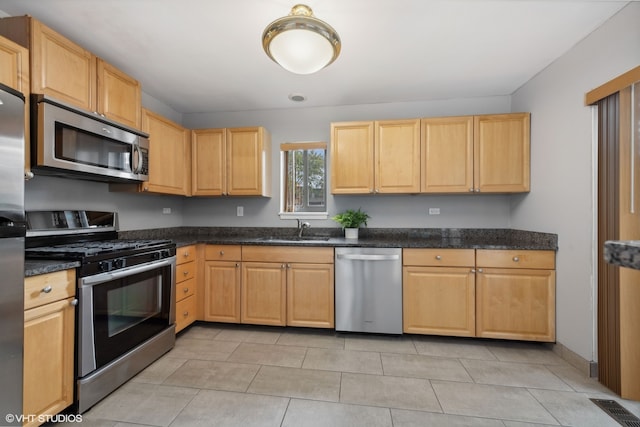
[301, 43]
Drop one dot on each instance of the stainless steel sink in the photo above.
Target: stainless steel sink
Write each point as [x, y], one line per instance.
[301, 239]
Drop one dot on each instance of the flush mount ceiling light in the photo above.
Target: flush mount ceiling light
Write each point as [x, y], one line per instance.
[301, 43]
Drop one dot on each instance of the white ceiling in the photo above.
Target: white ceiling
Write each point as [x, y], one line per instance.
[206, 55]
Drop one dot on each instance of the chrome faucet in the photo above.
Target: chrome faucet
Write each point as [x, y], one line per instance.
[302, 226]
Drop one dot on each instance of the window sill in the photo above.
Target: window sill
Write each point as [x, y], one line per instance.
[304, 215]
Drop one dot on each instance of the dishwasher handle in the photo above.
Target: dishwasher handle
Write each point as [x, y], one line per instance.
[363, 257]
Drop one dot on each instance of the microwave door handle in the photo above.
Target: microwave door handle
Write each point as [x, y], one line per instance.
[138, 155]
[106, 277]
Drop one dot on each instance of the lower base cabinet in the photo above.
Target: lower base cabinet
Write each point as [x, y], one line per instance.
[222, 278]
[49, 320]
[186, 283]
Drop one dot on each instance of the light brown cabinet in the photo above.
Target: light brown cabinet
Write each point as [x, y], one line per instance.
[222, 283]
[375, 157]
[66, 71]
[14, 66]
[284, 285]
[49, 320]
[186, 284]
[515, 294]
[439, 291]
[231, 162]
[487, 154]
[169, 156]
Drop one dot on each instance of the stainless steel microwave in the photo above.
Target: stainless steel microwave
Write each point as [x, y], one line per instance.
[70, 142]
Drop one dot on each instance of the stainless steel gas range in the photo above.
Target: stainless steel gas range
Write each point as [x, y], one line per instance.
[126, 296]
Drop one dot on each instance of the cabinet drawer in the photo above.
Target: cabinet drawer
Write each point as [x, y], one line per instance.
[46, 288]
[185, 271]
[223, 253]
[439, 257]
[185, 289]
[320, 255]
[185, 254]
[516, 259]
[185, 312]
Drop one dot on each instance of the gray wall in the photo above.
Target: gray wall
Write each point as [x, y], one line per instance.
[562, 158]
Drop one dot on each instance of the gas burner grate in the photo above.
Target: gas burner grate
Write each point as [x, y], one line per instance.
[617, 412]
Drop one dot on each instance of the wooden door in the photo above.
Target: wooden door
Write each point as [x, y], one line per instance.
[118, 95]
[501, 153]
[61, 68]
[447, 155]
[310, 295]
[246, 168]
[352, 153]
[222, 291]
[515, 304]
[169, 155]
[263, 294]
[48, 358]
[397, 156]
[439, 300]
[208, 160]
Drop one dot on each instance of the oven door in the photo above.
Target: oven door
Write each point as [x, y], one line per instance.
[122, 309]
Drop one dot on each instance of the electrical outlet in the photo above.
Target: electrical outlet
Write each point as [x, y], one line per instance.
[166, 211]
[240, 211]
[434, 211]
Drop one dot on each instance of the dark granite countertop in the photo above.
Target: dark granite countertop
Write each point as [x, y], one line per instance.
[625, 253]
[449, 238]
[36, 267]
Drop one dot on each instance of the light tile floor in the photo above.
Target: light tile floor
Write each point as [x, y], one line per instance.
[242, 376]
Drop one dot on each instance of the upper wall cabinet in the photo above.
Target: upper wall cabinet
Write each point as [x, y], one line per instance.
[65, 71]
[169, 156]
[488, 154]
[14, 66]
[375, 157]
[231, 162]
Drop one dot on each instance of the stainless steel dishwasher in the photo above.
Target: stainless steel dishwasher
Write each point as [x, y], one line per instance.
[368, 290]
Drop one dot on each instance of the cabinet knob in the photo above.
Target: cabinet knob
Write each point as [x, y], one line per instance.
[473, 270]
[283, 266]
[438, 257]
[516, 259]
[221, 253]
[74, 302]
[479, 270]
[185, 290]
[237, 264]
[46, 289]
[28, 175]
[471, 190]
[185, 254]
[185, 314]
[477, 190]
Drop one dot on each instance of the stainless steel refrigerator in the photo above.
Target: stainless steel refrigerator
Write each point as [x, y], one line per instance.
[12, 234]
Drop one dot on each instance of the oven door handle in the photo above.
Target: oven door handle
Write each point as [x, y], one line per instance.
[106, 277]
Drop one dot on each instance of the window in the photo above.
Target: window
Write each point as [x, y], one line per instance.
[304, 166]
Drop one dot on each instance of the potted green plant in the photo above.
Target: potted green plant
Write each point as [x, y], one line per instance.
[351, 220]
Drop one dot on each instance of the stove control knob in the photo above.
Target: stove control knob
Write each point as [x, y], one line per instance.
[104, 266]
[118, 263]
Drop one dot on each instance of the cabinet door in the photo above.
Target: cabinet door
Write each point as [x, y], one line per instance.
[515, 304]
[48, 358]
[169, 155]
[310, 295]
[447, 155]
[248, 162]
[222, 291]
[263, 295]
[119, 95]
[209, 169]
[397, 156]
[501, 153]
[61, 68]
[14, 66]
[439, 300]
[352, 150]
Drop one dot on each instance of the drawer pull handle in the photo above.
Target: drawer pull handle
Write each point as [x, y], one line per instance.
[186, 254]
[74, 302]
[479, 270]
[221, 253]
[438, 257]
[47, 289]
[473, 270]
[185, 314]
[237, 264]
[516, 259]
[185, 290]
[185, 273]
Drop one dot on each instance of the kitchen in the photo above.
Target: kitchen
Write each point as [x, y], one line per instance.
[559, 202]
